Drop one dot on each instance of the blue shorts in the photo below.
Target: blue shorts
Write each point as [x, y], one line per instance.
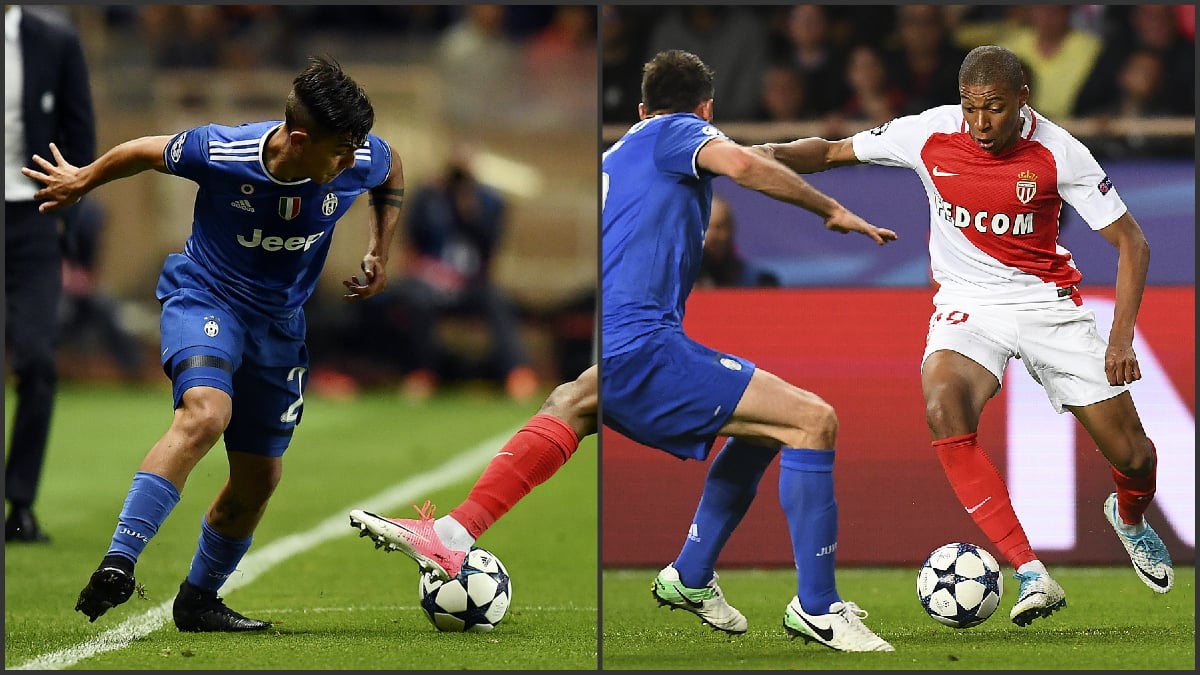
[260, 361]
[672, 393]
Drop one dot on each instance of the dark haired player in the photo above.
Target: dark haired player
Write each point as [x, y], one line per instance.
[233, 326]
[665, 390]
[997, 175]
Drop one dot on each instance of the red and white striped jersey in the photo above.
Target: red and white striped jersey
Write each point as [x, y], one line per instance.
[994, 219]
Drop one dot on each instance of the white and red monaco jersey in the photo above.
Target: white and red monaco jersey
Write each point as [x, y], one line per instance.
[994, 218]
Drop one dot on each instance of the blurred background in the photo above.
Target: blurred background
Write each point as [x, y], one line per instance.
[500, 96]
[847, 320]
[1120, 78]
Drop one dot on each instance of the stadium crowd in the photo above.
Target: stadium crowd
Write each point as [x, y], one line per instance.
[846, 66]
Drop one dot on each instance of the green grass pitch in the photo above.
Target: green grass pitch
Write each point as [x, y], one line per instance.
[338, 604]
[1111, 622]
[341, 604]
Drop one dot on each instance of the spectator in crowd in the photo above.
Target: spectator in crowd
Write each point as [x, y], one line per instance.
[1154, 29]
[973, 25]
[623, 42]
[1140, 95]
[850, 24]
[784, 95]
[722, 265]
[923, 62]
[221, 36]
[568, 37]
[1059, 56]
[453, 228]
[729, 39]
[186, 36]
[560, 59]
[873, 98]
[808, 44]
[86, 310]
[484, 63]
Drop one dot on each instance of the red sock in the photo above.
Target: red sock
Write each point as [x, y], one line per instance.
[983, 493]
[527, 460]
[1134, 493]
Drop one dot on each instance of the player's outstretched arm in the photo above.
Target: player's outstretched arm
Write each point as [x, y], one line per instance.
[811, 155]
[65, 183]
[752, 169]
[386, 200]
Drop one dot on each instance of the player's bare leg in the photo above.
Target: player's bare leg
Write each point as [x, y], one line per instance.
[956, 389]
[1117, 430]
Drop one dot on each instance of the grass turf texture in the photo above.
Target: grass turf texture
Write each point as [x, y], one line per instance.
[340, 605]
[1111, 622]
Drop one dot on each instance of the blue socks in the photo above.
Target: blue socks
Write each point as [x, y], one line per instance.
[217, 556]
[149, 502]
[806, 494]
[729, 489]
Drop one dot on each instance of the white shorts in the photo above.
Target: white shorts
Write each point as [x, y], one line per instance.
[1059, 345]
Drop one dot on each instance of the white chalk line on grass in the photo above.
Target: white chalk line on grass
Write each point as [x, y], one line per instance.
[402, 608]
[464, 465]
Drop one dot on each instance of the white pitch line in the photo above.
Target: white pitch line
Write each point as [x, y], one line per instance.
[464, 465]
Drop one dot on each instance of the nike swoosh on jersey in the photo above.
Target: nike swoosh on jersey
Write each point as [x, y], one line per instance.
[938, 172]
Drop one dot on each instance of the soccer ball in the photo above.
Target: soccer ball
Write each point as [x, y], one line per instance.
[959, 585]
[473, 601]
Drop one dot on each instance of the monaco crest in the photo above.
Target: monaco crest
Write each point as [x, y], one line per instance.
[1026, 186]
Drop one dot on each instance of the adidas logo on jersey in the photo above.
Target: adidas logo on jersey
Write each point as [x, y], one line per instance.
[243, 204]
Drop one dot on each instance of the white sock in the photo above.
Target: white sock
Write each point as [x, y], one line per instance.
[1032, 566]
[453, 534]
[1131, 529]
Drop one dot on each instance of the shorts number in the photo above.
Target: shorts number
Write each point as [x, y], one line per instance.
[292, 413]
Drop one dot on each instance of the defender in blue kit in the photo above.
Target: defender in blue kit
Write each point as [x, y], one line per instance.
[663, 389]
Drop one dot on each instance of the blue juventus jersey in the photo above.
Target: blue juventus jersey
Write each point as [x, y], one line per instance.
[656, 203]
[255, 239]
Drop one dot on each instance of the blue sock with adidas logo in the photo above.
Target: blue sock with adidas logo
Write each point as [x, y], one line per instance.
[729, 489]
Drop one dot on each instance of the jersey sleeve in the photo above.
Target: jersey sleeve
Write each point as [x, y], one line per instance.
[1084, 185]
[894, 143]
[680, 143]
[186, 153]
[381, 161]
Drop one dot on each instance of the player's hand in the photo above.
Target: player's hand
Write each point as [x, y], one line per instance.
[843, 220]
[60, 180]
[1121, 365]
[373, 281]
